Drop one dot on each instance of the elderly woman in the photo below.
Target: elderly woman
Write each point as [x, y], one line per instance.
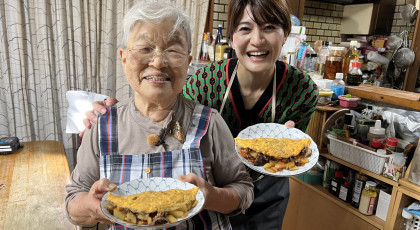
[159, 132]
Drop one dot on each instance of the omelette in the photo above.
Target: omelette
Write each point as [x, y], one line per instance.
[152, 207]
[276, 152]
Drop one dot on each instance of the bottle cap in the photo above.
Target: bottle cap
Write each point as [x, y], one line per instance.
[370, 184]
[381, 151]
[220, 25]
[353, 43]
[339, 76]
[325, 43]
[392, 141]
[348, 95]
[377, 129]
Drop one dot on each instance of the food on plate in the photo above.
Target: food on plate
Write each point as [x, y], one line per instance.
[275, 154]
[152, 207]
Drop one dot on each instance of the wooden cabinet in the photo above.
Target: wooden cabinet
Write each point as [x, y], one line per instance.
[296, 6]
[313, 207]
[368, 19]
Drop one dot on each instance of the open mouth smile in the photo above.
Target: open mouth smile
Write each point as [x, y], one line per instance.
[258, 54]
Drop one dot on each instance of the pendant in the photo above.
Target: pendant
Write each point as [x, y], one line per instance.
[153, 140]
[177, 132]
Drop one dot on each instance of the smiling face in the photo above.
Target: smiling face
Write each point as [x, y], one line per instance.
[257, 46]
[157, 80]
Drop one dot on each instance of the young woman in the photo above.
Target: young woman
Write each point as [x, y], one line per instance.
[245, 91]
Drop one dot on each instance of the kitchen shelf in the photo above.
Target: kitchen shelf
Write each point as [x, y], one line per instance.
[373, 220]
[386, 95]
[409, 189]
[362, 170]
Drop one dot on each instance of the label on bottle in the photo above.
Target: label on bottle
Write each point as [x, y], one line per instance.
[357, 190]
[343, 193]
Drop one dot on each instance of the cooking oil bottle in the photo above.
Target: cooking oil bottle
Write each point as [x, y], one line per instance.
[351, 56]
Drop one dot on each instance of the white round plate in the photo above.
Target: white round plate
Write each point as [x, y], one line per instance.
[152, 184]
[274, 130]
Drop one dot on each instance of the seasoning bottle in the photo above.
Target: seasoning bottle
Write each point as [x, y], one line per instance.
[354, 77]
[351, 56]
[376, 132]
[368, 198]
[336, 182]
[391, 145]
[204, 54]
[359, 183]
[323, 53]
[344, 193]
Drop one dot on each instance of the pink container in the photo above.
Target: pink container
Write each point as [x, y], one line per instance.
[349, 102]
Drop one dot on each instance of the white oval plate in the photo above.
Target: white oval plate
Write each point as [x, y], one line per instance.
[152, 184]
[275, 130]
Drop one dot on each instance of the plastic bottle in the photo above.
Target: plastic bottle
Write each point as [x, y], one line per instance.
[351, 55]
[323, 53]
[211, 46]
[204, 54]
[368, 198]
[354, 77]
[376, 132]
[339, 80]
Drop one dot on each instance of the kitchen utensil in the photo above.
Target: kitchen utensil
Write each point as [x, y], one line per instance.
[404, 57]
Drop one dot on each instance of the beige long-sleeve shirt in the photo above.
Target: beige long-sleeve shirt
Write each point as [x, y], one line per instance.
[223, 166]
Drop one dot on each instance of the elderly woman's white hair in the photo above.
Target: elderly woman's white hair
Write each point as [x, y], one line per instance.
[154, 11]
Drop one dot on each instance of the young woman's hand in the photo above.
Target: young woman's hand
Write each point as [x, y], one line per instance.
[98, 106]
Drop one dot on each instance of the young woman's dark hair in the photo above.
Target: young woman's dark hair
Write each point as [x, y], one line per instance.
[263, 11]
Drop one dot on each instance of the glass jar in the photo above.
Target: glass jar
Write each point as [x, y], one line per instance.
[368, 198]
[334, 62]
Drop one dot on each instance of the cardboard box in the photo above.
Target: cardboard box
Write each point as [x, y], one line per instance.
[383, 204]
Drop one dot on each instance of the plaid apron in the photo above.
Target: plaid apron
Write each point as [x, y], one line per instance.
[123, 168]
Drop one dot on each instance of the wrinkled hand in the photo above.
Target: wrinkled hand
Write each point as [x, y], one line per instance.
[97, 191]
[207, 189]
[98, 106]
[290, 124]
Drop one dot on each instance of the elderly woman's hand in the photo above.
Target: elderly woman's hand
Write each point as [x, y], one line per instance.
[85, 208]
[98, 106]
[223, 200]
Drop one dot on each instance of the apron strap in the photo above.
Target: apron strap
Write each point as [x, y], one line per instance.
[273, 100]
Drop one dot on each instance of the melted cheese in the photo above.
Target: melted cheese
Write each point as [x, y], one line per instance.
[153, 201]
[275, 147]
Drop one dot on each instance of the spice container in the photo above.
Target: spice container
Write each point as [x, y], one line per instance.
[376, 132]
[359, 183]
[325, 97]
[391, 145]
[348, 101]
[368, 198]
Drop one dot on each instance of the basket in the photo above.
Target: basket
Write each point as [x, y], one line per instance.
[356, 155]
[412, 220]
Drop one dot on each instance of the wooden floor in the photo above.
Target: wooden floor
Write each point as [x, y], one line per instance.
[34, 180]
